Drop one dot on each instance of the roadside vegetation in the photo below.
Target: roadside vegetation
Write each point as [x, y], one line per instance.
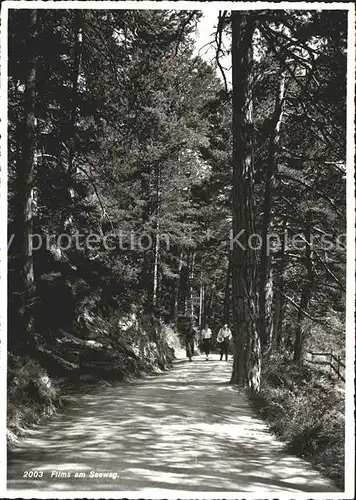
[305, 408]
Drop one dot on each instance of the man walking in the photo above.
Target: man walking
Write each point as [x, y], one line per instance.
[206, 336]
[223, 339]
[189, 341]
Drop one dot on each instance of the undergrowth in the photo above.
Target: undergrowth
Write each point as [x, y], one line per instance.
[305, 408]
[38, 385]
[32, 394]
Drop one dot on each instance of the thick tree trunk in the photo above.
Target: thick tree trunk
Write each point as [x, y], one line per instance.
[306, 293]
[24, 280]
[247, 349]
[265, 282]
[25, 168]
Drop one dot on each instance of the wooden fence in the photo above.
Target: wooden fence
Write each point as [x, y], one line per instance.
[333, 362]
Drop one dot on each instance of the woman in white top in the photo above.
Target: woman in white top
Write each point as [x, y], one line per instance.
[206, 336]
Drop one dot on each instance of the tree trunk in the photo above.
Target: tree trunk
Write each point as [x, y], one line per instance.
[25, 281]
[227, 294]
[176, 294]
[208, 305]
[156, 249]
[146, 273]
[186, 283]
[191, 290]
[278, 306]
[247, 349]
[279, 299]
[306, 293]
[155, 266]
[25, 168]
[201, 301]
[266, 282]
[77, 60]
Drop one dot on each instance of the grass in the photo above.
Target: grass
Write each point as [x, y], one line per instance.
[305, 408]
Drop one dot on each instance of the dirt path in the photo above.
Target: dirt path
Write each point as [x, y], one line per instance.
[184, 430]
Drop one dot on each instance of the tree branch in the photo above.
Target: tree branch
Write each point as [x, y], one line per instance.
[312, 188]
[218, 41]
[316, 320]
[181, 31]
[97, 194]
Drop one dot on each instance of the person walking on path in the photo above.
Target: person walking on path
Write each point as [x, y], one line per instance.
[189, 342]
[223, 339]
[206, 336]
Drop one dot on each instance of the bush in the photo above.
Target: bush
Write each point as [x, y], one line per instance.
[31, 395]
[305, 409]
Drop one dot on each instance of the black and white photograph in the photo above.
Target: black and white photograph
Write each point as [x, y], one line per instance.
[177, 249]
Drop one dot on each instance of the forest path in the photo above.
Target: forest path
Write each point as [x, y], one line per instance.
[183, 430]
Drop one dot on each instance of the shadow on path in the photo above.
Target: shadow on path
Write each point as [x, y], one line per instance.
[184, 430]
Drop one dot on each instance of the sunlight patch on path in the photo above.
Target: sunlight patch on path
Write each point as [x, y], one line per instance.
[183, 430]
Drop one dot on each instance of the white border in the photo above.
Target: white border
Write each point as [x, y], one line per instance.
[350, 306]
[179, 5]
[350, 261]
[3, 246]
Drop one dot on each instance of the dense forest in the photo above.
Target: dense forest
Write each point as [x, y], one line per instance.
[146, 190]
